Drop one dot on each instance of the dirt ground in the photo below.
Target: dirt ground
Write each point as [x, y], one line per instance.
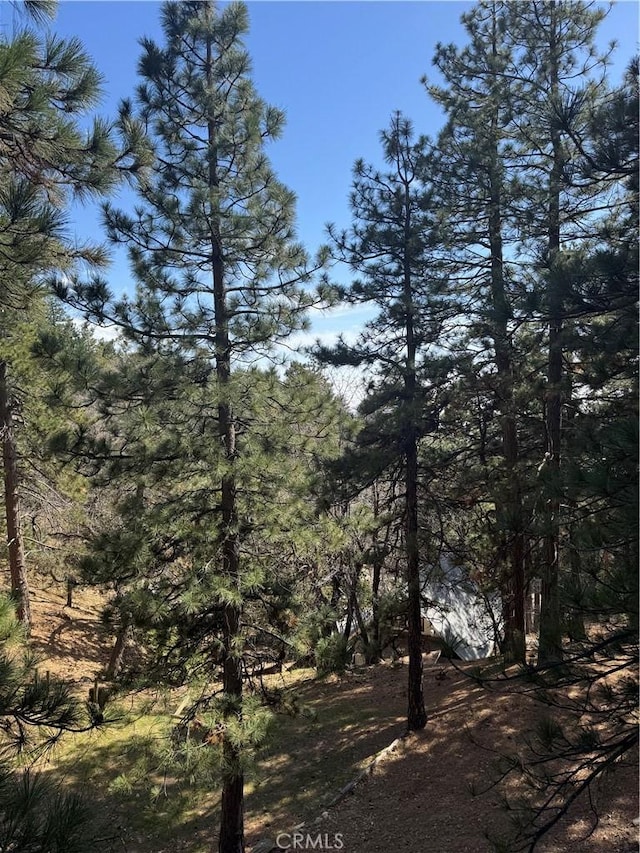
[418, 799]
[71, 642]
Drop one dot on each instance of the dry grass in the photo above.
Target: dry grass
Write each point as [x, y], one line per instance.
[419, 798]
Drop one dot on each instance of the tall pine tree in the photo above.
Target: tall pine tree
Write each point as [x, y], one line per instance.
[475, 188]
[221, 279]
[46, 86]
[391, 246]
[560, 78]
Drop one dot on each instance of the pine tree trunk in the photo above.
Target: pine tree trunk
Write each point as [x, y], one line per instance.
[117, 654]
[376, 640]
[375, 577]
[550, 642]
[416, 715]
[362, 628]
[575, 627]
[232, 805]
[348, 621]
[374, 655]
[232, 812]
[17, 565]
[511, 509]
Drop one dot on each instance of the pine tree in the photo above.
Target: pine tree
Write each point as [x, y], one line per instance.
[220, 277]
[46, 84]
[557, 84]
[34, 813]
[601, 299]
[391, 246]
[476, 190]
[161, 550]
[516, 209]
[569, 755]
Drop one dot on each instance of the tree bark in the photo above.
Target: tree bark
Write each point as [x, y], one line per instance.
[362, 628]
[550, 642]
[511, 510]
[348, 621]
[232, 805]
[416, 714]
[232, 813]
[328, 630]
[17, 565]
[374, 654]
[117, 654]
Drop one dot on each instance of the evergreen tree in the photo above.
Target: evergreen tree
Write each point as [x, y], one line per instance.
[46, 85]
[602, 286]
[517, 213]
[596, 680]
[160, 553]
[34, 813]
[391, 245]
[476, 197]
[46, 350]
[220, 280]
[560, 77]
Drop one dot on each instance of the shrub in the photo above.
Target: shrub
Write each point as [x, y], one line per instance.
[332, 654]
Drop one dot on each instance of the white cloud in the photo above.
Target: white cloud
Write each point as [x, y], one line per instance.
[341, 310]
[102, 333]
[299, 340]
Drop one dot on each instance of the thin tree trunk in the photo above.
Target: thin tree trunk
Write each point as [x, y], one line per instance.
[362, 628]
[416, 714]
[348, 625]
[349, 620]
[375, 650]
[232, 812]
[232, 805]
[327, 629]
[550, 643]
[511, 510]
[575, 628]
[117, 654]
[17, 565]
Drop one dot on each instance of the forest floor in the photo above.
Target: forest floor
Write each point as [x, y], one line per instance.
[419, 798]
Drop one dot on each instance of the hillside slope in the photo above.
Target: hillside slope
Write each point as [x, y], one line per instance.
[419, 797]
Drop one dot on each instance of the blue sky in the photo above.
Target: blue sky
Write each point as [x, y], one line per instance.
[338, 69]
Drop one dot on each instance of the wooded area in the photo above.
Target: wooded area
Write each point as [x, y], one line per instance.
[236, 514]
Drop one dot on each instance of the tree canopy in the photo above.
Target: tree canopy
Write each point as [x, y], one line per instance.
[236, 514]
